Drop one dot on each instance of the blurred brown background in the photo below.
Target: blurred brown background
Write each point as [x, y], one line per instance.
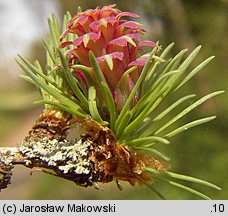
[201, 152]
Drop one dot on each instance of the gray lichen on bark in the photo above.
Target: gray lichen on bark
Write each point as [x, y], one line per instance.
[69, 159]
[74, 160]
[5, 175]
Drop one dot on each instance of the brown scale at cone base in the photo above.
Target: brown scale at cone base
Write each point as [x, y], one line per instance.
[51, 124]
[116, 160]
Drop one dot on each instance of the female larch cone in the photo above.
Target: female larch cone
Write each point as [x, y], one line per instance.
[116, 44]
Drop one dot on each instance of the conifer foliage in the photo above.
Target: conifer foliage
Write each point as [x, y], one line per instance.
[102, 77]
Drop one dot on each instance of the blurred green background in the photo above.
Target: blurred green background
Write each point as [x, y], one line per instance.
[201, 152]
